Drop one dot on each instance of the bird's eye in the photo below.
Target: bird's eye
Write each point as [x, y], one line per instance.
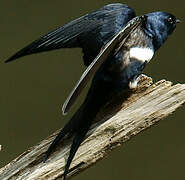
[170, 20]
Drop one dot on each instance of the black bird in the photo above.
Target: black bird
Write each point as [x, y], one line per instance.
[116, 46]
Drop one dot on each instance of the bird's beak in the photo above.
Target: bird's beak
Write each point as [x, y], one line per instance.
[178, 20]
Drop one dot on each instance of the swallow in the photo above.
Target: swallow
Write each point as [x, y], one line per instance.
[117, 46]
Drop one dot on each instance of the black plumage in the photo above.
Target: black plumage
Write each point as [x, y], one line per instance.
[89, 32]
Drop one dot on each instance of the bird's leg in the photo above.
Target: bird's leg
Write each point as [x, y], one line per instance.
[134, 82]
[136, 78]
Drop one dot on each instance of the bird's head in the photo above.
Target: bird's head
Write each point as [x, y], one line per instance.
[159, 25]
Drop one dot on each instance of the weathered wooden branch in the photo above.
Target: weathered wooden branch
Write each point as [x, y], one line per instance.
[119, 122]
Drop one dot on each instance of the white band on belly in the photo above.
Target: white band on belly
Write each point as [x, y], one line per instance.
[142, 54]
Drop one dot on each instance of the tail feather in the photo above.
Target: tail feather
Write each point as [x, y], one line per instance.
[79, 137]
[81, 121]
[65, 131]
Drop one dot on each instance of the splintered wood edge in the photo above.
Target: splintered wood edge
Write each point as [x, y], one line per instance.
[117, 122]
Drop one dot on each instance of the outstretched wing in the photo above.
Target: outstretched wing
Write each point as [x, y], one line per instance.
[111, 47]
[90, 32]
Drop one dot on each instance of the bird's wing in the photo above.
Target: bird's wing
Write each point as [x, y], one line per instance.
[110, 48]
[90, 32]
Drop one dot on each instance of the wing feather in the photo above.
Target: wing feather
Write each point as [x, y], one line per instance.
[90, 32]
[105, 52]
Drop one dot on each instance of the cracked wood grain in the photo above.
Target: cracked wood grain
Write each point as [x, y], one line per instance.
[117, 122]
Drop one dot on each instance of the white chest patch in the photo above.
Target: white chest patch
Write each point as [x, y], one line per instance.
[142, 54]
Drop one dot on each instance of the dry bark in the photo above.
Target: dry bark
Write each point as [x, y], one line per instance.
[116, 123]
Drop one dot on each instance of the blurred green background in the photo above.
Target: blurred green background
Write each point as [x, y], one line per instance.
[33, 89]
